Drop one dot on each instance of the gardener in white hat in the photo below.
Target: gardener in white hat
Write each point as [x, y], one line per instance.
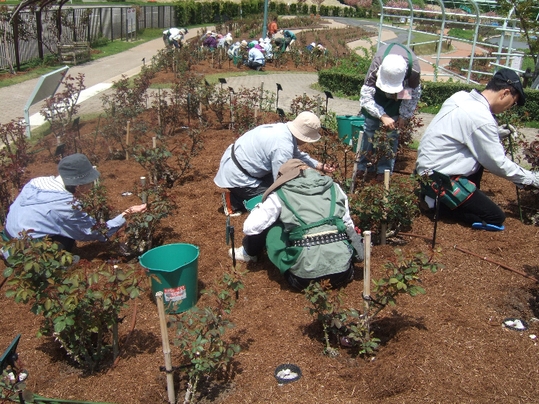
[305, 224]
[388, 98]
[46, 207]
[251, 164]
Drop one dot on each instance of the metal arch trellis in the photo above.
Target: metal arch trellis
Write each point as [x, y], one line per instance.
[386, 12]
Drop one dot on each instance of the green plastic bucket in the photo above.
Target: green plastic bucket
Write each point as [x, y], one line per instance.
[173, 270]
[346, 130]
[251, 203]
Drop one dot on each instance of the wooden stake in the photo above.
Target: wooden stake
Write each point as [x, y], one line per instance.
[143, 195]
[166, 347]
[127, 140]
[159, 108]
[367, 271]
[261, 95]
[154, 142]
[383, 230]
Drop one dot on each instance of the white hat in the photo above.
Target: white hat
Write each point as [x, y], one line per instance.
[313, 44]
[261, 40]
[391, 74]
[305, 127]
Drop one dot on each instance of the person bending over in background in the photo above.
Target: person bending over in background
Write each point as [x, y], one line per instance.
[272, 28]
[304, 222]
[255, 59]
[251, 164]
[388, 98]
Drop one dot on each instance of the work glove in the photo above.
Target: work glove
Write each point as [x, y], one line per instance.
[506, 130]
[357, 242]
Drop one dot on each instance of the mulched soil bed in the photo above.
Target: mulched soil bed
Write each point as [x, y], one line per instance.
[445, 346]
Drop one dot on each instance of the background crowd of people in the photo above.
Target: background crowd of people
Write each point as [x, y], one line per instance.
[251, 53]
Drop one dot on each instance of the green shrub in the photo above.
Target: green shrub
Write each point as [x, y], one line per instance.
[371, 205]
[80, 305]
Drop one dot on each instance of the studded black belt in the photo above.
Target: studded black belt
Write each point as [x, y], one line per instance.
[318, 240]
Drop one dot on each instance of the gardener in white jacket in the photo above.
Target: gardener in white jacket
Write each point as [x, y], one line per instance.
[464, 138]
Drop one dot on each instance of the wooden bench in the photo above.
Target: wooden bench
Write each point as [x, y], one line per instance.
[74, 53]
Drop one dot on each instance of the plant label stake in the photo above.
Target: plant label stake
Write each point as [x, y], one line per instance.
[230, 239]
[328, 96]
[436, 210]
[231, 231]
[367, 272]
[166, 347]
[279, 88]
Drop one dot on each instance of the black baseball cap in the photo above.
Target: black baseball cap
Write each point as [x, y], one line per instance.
[510, 77]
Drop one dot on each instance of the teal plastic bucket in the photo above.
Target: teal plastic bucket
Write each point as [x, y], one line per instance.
[251, 203]
[173, 270]
[347, 133]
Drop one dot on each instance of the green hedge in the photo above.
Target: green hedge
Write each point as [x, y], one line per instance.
[433, 93]
[344, 82]
[190, 12]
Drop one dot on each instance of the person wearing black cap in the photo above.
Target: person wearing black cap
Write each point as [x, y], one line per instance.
[45, 206]
[462, 140]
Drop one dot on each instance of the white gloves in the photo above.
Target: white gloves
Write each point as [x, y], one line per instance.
[506, 130]
[357, 242]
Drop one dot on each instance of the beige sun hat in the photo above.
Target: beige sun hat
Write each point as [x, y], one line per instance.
[305, 127]
[391, 74]
[287, 172]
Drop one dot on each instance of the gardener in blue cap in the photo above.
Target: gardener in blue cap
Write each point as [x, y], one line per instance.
[461, 141]
[46, 206]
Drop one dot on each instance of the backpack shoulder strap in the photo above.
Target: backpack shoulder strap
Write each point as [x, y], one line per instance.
[410, 59]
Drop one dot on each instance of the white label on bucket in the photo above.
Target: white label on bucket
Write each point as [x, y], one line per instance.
[175, 294]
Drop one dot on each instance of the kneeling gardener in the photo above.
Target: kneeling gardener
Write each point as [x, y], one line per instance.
[305, 224]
